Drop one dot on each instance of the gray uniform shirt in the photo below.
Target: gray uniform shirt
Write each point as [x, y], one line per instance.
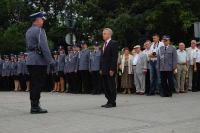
[95, 58]
[13, 68]
[83, 59]
[167, 58]
[71, 62]
[36, 36]
[6, 69]
[61, 62]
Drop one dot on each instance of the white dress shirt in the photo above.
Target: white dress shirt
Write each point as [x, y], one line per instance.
[191, 54]
[135, 59]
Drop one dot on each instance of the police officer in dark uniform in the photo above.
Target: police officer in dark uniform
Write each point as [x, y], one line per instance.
[66, 71]
[61, 64]
[39, 56]
[94, 68]
[73, 77]
[6, 73]
[83, 67]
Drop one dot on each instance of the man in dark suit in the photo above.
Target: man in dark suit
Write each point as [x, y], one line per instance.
[109, 67]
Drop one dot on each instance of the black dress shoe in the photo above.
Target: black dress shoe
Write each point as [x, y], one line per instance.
[110, 106]
[38, 110]
[104, 105]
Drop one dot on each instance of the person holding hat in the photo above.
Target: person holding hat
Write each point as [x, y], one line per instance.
[39, 56]
[139, 64]
[197, 67]
[167, 63]
[94, 68]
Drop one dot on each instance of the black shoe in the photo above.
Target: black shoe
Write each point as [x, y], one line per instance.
[110, 106]
[104, 105]
[38, 110]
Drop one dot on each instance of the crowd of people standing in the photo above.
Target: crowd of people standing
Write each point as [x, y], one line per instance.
[159, 69]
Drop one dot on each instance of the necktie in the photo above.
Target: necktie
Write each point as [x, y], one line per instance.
[165, 47]
[104, 46]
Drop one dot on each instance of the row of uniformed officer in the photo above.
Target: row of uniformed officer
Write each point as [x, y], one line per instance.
[13, 72]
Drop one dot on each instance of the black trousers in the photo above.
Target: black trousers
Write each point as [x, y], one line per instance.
[70, 80]
[110, 90]
[1, 82]
[147, 82]
[96, 82]
[49, 83]
[37, 81]
[84, 83]
[198, 77]
[167, 83]
[6, 83]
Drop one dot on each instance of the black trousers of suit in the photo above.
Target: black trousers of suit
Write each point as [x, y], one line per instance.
[37, 82]
[167, 83]
[96, 82]
[110, 90]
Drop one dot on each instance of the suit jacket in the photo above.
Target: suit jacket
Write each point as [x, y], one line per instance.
[167, 59]
[109, 58]
[36, 36]
[141, 63]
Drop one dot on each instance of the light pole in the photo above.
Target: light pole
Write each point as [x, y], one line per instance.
[70, 37]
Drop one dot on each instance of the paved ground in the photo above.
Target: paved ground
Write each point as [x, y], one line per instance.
[83, 114]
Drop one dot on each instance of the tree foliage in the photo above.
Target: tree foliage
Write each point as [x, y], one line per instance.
[132, 21]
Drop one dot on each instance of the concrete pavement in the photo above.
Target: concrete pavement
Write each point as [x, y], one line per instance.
[82, 114]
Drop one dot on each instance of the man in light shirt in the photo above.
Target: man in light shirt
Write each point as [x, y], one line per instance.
[181, 68]
[139, 62]
[155, 75]
[147, 51]
[191, 55]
